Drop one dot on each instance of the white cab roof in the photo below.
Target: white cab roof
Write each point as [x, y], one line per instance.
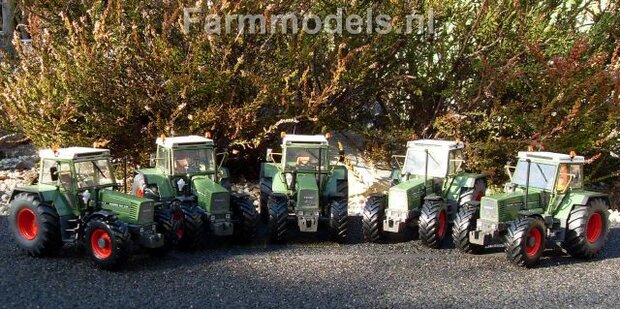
[72, 153]
[170, 142]
[311, 139]
[551, 156]
[449, 145]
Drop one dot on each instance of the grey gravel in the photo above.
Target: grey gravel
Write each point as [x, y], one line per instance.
[309, 273]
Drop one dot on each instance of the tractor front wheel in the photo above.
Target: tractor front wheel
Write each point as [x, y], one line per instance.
[193, 228]
[525, 241]
[372, 220]
[106, 243]
[35, 226]
[170, 225]
[465, 222]
[339, 219]
[278, 218]
[433, 225]
[246, 218]
[587, 229]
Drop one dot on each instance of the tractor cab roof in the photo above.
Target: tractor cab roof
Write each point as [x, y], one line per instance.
[73, 153]
[426, 143]
[179, 141]
[550, 157]
[290, 139]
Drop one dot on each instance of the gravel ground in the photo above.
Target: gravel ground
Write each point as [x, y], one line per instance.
[310, 274]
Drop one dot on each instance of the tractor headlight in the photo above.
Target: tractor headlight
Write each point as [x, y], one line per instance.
[227, 216]
[289, 180]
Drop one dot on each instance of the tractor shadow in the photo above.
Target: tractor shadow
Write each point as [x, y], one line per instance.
[555, 256]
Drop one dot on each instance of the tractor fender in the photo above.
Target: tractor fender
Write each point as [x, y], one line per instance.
[575, 199]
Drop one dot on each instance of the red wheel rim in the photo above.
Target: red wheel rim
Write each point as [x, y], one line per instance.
[594, 228]
[27, 224]
[101, 244]
[533, 242]
[178, 223]
[442, 224]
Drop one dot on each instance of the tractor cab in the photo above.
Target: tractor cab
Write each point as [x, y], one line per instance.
[432, 159]
[185, 156]
[551, 172]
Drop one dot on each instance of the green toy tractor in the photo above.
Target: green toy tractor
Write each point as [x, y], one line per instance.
[192, 194]
[305, 187]
[75, 202]
[427, 192]
[543, 203]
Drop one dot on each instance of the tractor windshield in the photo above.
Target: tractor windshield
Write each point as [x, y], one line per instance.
[306, 158]
[191, 161]
[417, 159]
[542, 176]
[94, 173]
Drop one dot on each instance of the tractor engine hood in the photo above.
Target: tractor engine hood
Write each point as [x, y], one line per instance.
[210, 195]
[402, 195]
[505, 207]
[307, 191]
[130, 209]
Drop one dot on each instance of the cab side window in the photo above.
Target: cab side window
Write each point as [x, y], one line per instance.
[49, 172]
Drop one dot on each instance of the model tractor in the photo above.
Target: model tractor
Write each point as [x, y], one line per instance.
[544, 202]
[304, 187]
[427, 191]
[75, 202]
[192, 194]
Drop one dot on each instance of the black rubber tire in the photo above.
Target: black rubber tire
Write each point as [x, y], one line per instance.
[119, 237]
[194, 228]
[372, 220]
[148, 191]
[278, 218]
[339, 220]
[464, 222]
[517, 239]
[167, 226]
[265, 193]
[48, 238]
[431, 230]
[245, 217]
[577, 243]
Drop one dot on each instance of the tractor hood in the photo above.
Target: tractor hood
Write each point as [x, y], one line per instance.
[307, 191]
[506, 206]
[130, 209]
[404, 195]
[210, 195]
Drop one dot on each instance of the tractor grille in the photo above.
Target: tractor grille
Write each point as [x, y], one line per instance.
[489, 209]
[220, 202]
[307, 199]
[147, 213]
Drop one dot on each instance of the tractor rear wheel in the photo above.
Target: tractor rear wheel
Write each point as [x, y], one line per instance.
[245, 217]
[35, 226]
[465, 222]
[339, 219]
[106, 243]
[265, 192]
[433, 224]
[141, 189]
[587, 229]
[278, 218]
[193, 228]
[372, 220]
[170, 225]
[525, 241]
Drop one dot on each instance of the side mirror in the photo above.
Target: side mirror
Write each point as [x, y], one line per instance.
[224, 157]
[269, 157]
[341, 155]
[152, 159]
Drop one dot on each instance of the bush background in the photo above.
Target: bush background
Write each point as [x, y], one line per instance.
[500, 75]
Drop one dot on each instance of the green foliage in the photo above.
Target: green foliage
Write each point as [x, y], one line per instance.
[500, 75]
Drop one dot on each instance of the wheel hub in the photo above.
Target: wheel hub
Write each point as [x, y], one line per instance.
[101, 243]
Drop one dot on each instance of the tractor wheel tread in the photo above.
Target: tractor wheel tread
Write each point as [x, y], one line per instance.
[429, 224]
[372, 219]
[265, 192]
[464, 222]
[576, 243]
[278, 218]
[246, 217]
[339, 219]
[194, 228]
[49, 238]
[516, 239]
[120, 243]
